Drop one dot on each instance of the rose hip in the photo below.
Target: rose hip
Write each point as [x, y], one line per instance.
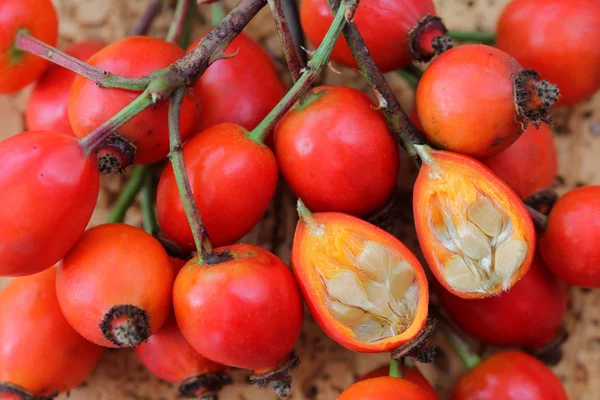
[384, 388]
[412, 375]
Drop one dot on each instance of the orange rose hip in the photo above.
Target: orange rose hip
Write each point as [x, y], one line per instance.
[364, 288]
[474, 231]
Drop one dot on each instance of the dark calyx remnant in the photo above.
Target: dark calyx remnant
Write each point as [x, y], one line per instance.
[203, 386]
[115, 154]
[428, 38]
[551, 353]
[22, 394]
[126, 325]
[419, 347]
[279, 378]
[533, 97]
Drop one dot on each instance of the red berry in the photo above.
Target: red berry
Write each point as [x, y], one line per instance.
[528, 165]
[384, 388]
[49, 190]
[40, 354]
[115, 285]
[38, 18]
[242, 89]
[336, 152]
[509, 375]
[233, 179]
[132, 57]
[569, 245]
[559, 39]
[412, 375]
[49, 99]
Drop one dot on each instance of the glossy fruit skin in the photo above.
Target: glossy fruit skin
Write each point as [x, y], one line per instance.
[314, 297]
[90, 105]
[384, 24]
[39, 351]
[336, 152]
[412, 375]
[465, 101]
[509, 375]
[384, 388]
[17, 68]
[54, 185]
[245, 313]
[530, 164]
[233, 179]
[111, 265]
[529, 315]
[48, 102]
[171, 358]
[540, 35]
[241, 90]
[569, 244]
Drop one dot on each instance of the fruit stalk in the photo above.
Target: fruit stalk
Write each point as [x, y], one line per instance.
[460, 347]
[472, 36]
[128, 193]
[192, 212]
[539, 220]
[397, 368]
[292, 55]
[147, 18]
[147, 200]
[320, 59]
[397, 120]
[179, 18]
[105, 79]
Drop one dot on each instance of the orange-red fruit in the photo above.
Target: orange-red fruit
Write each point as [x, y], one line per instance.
[412, 375]
[336, 152]
[530, 164]
[529, 315]
[569, 244]
[171, 358]
[38, 18]
[474, 231]
[364, 288]
[115, 285]
[384, 24]
[242, 89]
[40, 354]
[509, 375]
[48, 102]
[466, 101]
[49, 189]
[90, 106]
[559, 39]
[384, 388]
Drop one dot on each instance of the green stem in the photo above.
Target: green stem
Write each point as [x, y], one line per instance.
[128, 194]
[315, 65]
[147, 201]
[97, 136]
[396, 368]
[473, 36]
[460, 347]
[203, 245]
[179, 18]
[409, 77]
[217, 13]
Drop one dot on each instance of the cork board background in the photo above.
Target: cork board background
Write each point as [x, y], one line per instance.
[327, 368]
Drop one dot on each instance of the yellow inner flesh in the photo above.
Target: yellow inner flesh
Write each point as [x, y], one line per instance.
[368, 287]
[478, 240]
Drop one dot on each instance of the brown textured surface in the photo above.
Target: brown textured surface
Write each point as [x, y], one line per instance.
[326, 368]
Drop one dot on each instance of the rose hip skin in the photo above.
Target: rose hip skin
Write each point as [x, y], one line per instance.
[39, 351]
[384, 24]
[336, 152]
[245, 313]
[90, 105]
[53, 187]
[233, 179]
[529, 314]
[240, 90]
[167, 355]
[559, 39]
[467, 100]
[48, 102]
[115, 285]
[384, 388]
[38, 18]
[530, 164]
[509, 375]
[569, 244]
[412, 375]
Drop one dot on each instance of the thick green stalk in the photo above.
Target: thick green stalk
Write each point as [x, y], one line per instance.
[315, 65]
[468, 358]
[472, 36]
[147, 202]
[396, 369]
[128, 193]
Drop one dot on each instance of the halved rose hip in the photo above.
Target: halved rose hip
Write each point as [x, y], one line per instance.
[365, 289]
[474, 231]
